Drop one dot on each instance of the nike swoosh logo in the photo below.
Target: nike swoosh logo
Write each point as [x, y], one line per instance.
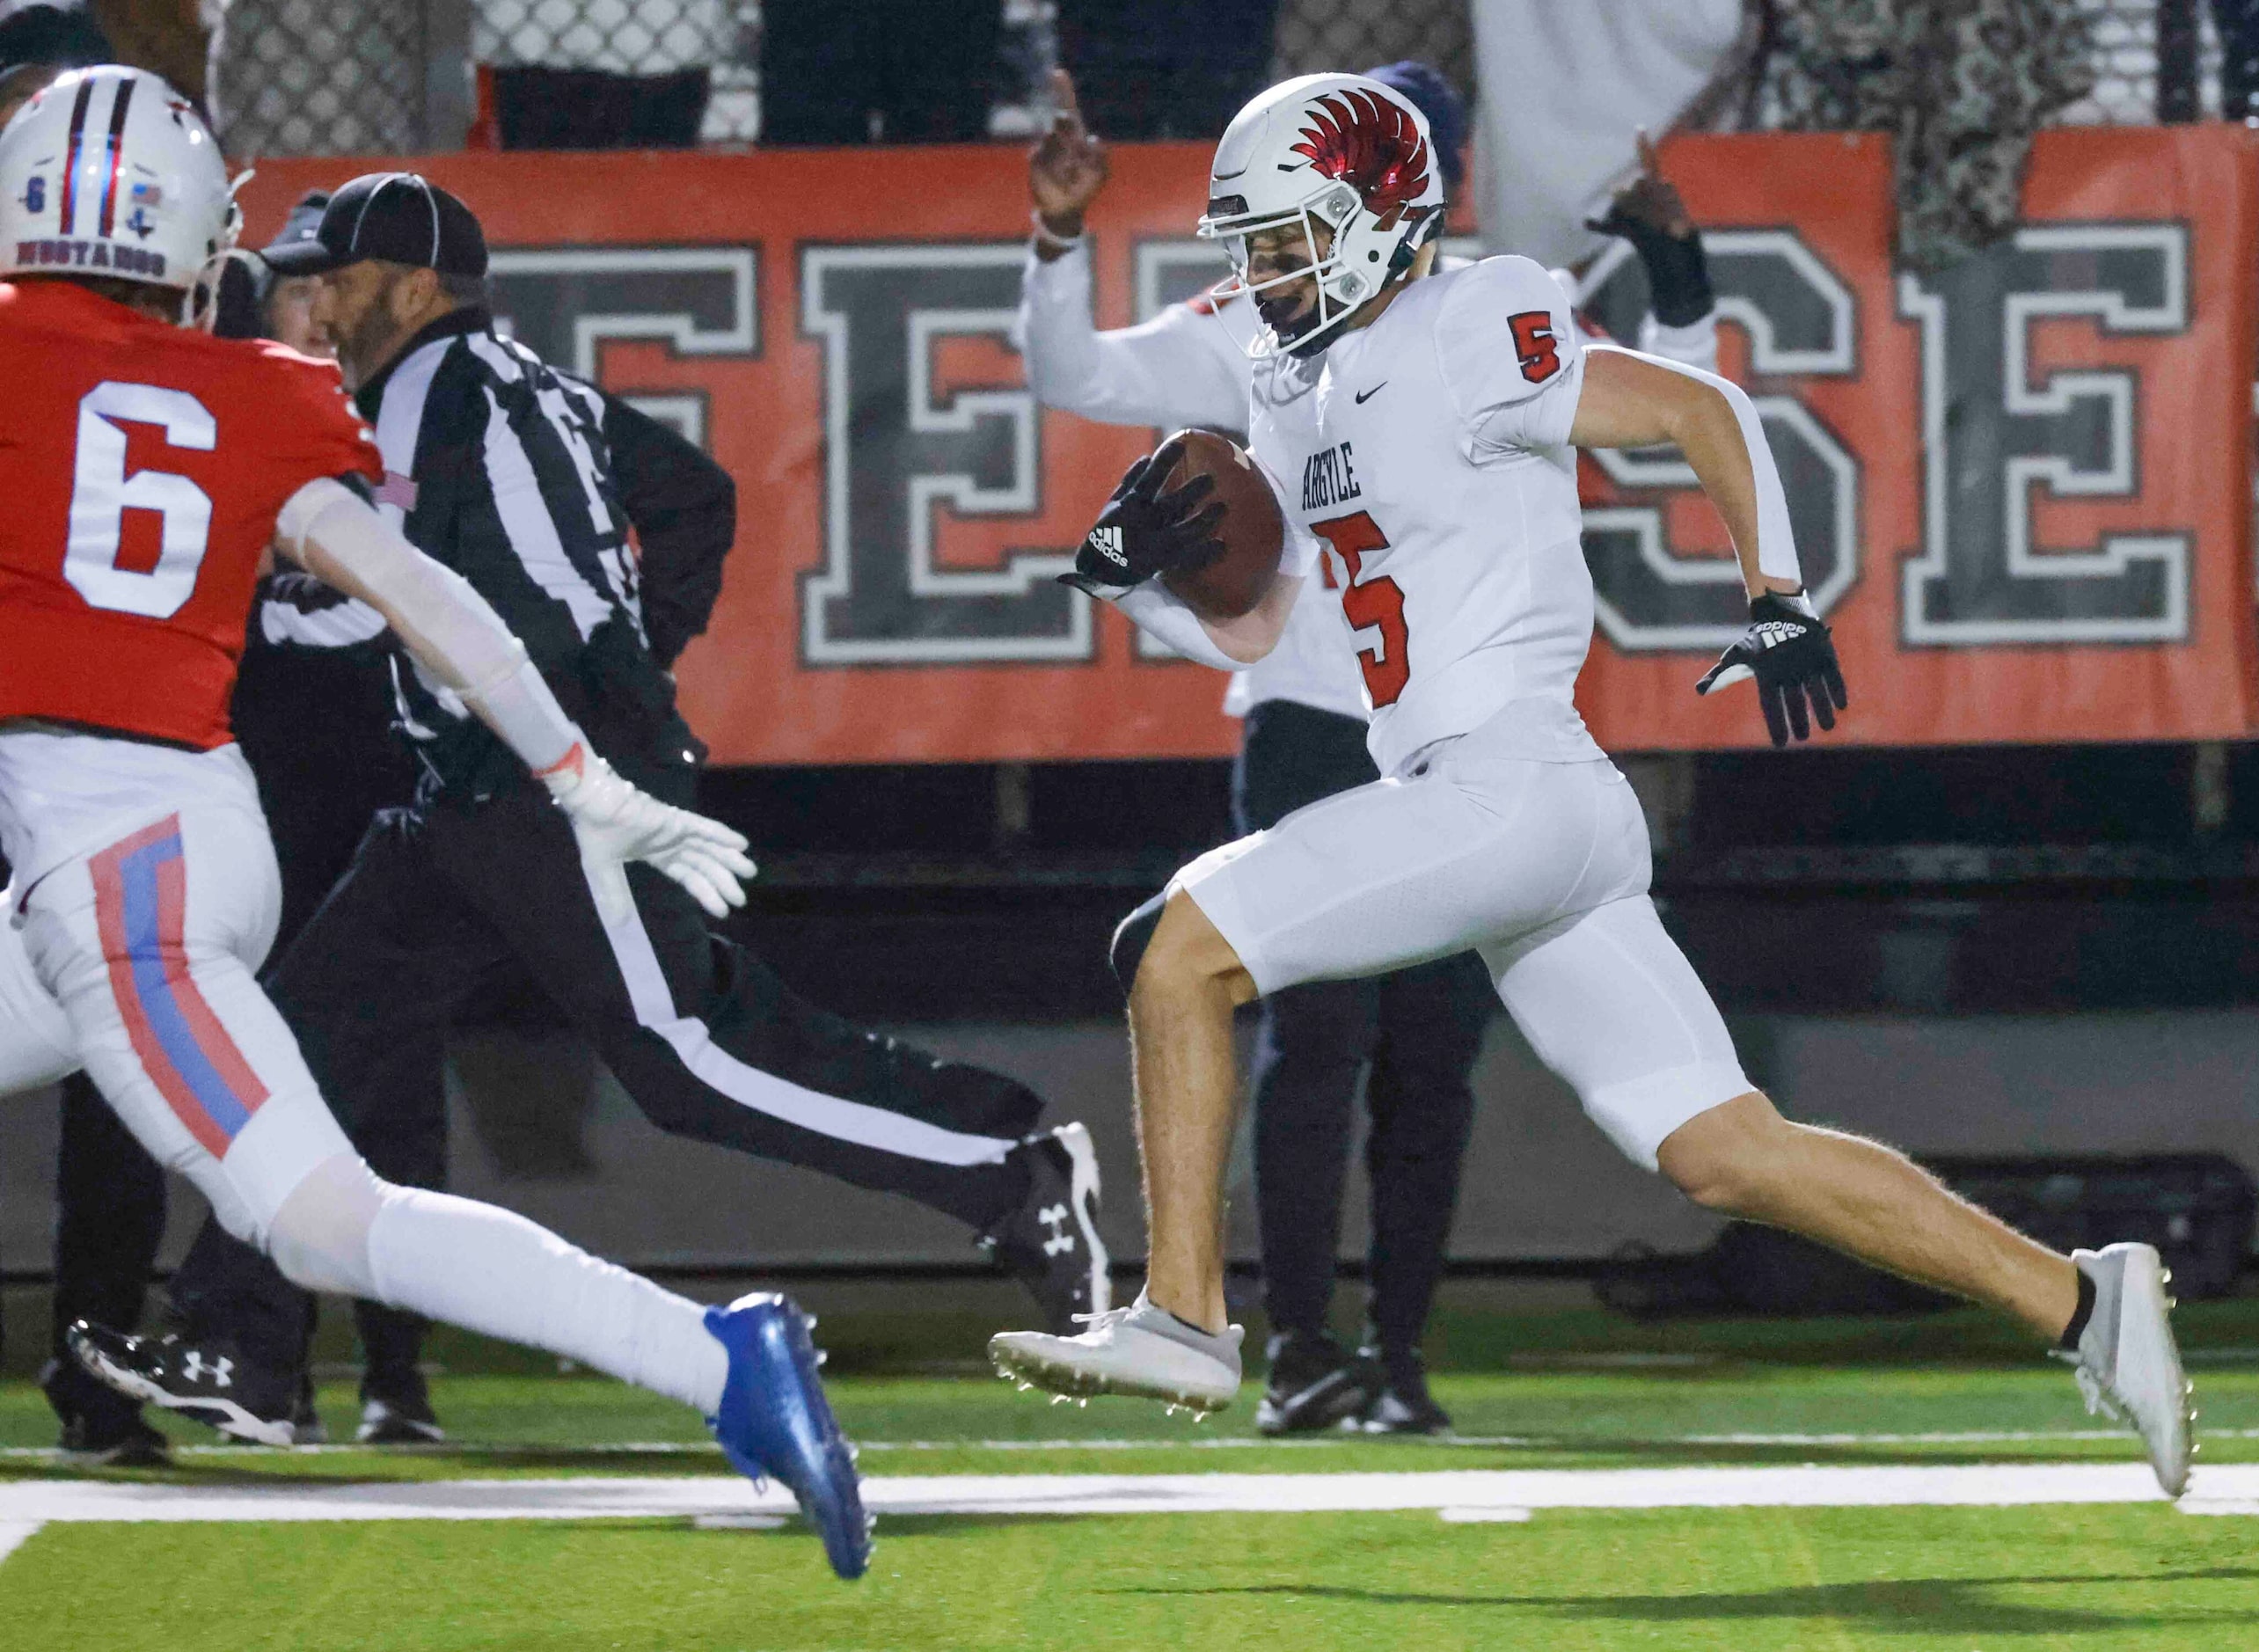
[1360, 397]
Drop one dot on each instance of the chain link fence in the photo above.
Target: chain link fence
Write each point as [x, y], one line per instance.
[336, 77]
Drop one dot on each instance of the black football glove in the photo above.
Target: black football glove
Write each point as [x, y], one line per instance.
[1143, 531]
[1787, 649]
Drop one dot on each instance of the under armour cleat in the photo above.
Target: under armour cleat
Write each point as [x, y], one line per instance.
[1050, 1241]
[2127, 1365]
[1141, 1350]
[1314, 1384]
[774, 1422]
[209, 1381]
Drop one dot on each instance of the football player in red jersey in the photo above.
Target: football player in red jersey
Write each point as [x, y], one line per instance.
[148, 466]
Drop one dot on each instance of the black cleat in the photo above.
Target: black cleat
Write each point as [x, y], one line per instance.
[100, 1425]
[105, 1442]
[1050, 1243]
[1403, 1405]
[209, 1381]
[1314, 1384]
[399, 1413]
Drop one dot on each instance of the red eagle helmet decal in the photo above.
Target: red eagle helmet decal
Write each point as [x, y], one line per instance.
[1370, 144]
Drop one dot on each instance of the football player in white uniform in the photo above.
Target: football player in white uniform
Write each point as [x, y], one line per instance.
[1417, 1032]
[1433, 464]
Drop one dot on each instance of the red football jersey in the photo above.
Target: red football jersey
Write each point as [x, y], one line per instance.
[142, 466]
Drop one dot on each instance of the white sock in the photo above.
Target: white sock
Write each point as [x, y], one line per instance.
[491, 1271]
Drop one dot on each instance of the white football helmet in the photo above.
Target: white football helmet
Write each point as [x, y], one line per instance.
[110, 171]
[1337, 150]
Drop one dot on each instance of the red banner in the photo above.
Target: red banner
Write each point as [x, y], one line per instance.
[2022, 488]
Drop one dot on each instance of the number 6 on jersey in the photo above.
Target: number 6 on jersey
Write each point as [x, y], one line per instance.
[101, 492]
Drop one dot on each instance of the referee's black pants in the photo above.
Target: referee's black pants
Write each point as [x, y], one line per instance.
[1418, 1032]
[445, 898]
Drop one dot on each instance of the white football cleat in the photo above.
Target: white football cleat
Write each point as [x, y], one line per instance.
[2127, 1365]
[1139, 1350]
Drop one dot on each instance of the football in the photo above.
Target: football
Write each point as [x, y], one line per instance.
[1253, 530]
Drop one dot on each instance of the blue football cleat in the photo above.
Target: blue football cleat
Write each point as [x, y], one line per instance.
[775, 1424]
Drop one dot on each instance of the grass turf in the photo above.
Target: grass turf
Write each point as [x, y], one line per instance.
[1749, 1580]
[1564, 1389]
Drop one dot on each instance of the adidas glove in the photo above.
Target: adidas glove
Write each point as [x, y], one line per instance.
[1143, 531]
[616, 823]
[1786, 650]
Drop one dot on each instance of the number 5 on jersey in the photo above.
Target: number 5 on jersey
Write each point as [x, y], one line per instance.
[1371, 604]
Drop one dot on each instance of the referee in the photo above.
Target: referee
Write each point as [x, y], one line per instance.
[497, 466]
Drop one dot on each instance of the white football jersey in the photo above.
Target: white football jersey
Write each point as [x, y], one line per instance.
[1432, 463]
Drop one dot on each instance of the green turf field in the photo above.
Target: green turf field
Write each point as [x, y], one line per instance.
[1565, 1389]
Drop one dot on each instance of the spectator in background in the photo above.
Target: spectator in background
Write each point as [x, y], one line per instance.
[166, 36]
[1165, 69]
[1564, 87]
[39, 41]
[878, 71]
[600, 74]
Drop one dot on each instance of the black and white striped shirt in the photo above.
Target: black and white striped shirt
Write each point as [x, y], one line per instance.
[498, 467]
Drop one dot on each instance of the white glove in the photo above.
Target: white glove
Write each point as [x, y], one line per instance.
[616, 822]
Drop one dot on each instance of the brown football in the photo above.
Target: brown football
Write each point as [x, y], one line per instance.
[1253, 531]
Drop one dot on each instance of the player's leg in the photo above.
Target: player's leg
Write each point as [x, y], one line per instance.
[1378, 878]
[368, 987]
[711, 1044]
[1421, 1098]
[1609, 1002]
[147, 944]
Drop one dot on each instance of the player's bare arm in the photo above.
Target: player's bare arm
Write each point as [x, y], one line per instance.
[1633, 401]
[1630, 400]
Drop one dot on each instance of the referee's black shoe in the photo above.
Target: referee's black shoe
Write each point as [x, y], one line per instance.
[1049, 1242]
[208, 1381]
[1314, 1384]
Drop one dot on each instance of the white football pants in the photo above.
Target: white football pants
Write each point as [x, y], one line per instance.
[137, 958]
[1543, 868]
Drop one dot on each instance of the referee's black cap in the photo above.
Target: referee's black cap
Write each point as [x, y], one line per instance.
[400, 217]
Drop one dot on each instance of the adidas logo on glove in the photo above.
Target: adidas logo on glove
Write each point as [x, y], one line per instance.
[1108, 543]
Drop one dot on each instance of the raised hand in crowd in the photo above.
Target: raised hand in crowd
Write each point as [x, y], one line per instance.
[1065, 170]
[1650, 213]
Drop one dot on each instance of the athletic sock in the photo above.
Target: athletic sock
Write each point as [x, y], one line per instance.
[2080, 1314]
[491, 1271]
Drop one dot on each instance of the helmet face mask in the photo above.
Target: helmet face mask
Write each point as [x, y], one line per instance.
[1334, 168]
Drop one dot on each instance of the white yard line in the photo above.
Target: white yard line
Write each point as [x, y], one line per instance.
[1469, 1493]
[13, 1533]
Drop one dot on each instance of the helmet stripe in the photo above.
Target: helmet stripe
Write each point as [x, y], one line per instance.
[117, 155]
[68, 221]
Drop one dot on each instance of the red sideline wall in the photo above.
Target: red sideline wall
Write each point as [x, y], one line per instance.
[2024, 488]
